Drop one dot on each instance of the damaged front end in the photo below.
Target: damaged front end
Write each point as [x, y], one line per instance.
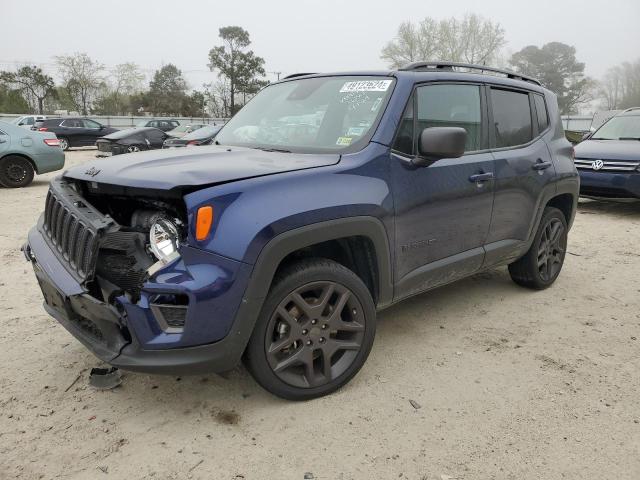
[116, 269]
[104, 234]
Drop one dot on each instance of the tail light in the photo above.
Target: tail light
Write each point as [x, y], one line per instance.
[42, 129]
[193, 142]
[52, 142]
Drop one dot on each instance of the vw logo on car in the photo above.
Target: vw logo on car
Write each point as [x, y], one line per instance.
[597, 164]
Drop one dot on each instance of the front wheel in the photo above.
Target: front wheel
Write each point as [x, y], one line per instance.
[541, 265]
[314, 333]
[15, 172]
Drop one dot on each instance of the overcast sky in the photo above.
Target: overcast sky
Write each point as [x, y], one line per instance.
[295, 35]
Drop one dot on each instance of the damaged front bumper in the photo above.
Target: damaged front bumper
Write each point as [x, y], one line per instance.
[135, 334]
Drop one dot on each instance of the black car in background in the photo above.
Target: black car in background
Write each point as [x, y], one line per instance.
[164, 125]
[202, 136]
[130, 140]
[74, 131]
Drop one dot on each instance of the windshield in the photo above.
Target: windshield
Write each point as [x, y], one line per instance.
[623, 127]
[142, 123]
[182, 128]
[326, 114]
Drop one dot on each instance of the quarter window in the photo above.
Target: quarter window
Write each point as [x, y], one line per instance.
[451, 106]
[511, 117]
[404, 138]
[541, 112]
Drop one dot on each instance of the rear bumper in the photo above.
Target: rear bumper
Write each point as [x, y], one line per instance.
[50, 161]
[129, 336]
[608, 184]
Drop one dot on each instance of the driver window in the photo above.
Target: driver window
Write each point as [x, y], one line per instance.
[451, 106]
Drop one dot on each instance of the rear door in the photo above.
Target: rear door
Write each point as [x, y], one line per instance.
[443, 210]
[92, 131]
[523, 169]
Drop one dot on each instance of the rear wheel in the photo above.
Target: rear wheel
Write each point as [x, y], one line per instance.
[15, 171]
[541, 265]
[64, 143]
[133, 148]
[314, 332]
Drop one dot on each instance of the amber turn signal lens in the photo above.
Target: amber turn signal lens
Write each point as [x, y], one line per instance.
[204, 220]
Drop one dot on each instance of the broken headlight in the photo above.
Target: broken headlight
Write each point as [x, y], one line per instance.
[164, 239]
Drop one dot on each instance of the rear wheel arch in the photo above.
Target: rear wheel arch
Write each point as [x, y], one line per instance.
[566, 203]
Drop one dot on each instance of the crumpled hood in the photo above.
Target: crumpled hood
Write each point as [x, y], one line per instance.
[193, 166]
[609, 149]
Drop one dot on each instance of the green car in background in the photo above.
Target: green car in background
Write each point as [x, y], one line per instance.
[24, 153]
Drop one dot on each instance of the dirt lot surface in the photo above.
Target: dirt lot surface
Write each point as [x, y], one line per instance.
[477, 380]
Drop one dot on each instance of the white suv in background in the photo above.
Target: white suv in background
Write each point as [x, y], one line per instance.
[28, 121]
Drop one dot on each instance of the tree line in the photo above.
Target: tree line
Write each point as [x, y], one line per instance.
[475, 39]
[88, 87]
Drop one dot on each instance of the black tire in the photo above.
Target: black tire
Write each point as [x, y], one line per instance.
[542, 263]
[322, 349]
[64, 143]
[15, 171]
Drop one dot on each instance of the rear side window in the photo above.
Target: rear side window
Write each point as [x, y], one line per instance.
[511, 118]
[541, 112]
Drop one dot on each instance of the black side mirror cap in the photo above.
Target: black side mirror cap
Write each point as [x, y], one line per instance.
[437, 143]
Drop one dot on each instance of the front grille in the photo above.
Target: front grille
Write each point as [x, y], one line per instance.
[608, 165]
[73, 240]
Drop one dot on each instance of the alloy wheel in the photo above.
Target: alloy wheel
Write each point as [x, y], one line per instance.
[64, 145]
[314, 334]
[553, 244]
[133, 148]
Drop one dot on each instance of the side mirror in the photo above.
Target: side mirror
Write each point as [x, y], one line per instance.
[437, 143]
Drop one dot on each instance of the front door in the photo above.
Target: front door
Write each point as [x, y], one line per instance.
[442, 211]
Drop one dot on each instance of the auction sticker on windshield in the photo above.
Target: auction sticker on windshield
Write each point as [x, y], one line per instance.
[366, 86]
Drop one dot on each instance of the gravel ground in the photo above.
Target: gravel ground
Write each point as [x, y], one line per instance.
[477, 380]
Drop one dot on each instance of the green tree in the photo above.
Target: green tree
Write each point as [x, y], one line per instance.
[556, 66]
[82, 78]
[194, 105]
[33, 83]
[167, 90]
[471, 39]
[11, 101]
[237, 65]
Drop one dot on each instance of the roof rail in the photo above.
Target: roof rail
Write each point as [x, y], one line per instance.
[294, 75]
[451, 66]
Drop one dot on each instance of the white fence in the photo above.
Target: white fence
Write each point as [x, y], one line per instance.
[126, 122]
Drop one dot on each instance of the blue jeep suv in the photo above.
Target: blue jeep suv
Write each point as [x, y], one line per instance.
[326, 198]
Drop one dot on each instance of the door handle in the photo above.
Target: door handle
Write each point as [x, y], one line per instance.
[481, 177]
[540, 165]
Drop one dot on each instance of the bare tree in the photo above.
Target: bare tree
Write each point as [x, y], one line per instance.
[472, 39]
[33, 83]
[620, 87]
[81, 77]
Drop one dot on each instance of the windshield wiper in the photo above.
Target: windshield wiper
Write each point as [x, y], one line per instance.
[269, 149]
[629, 138]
